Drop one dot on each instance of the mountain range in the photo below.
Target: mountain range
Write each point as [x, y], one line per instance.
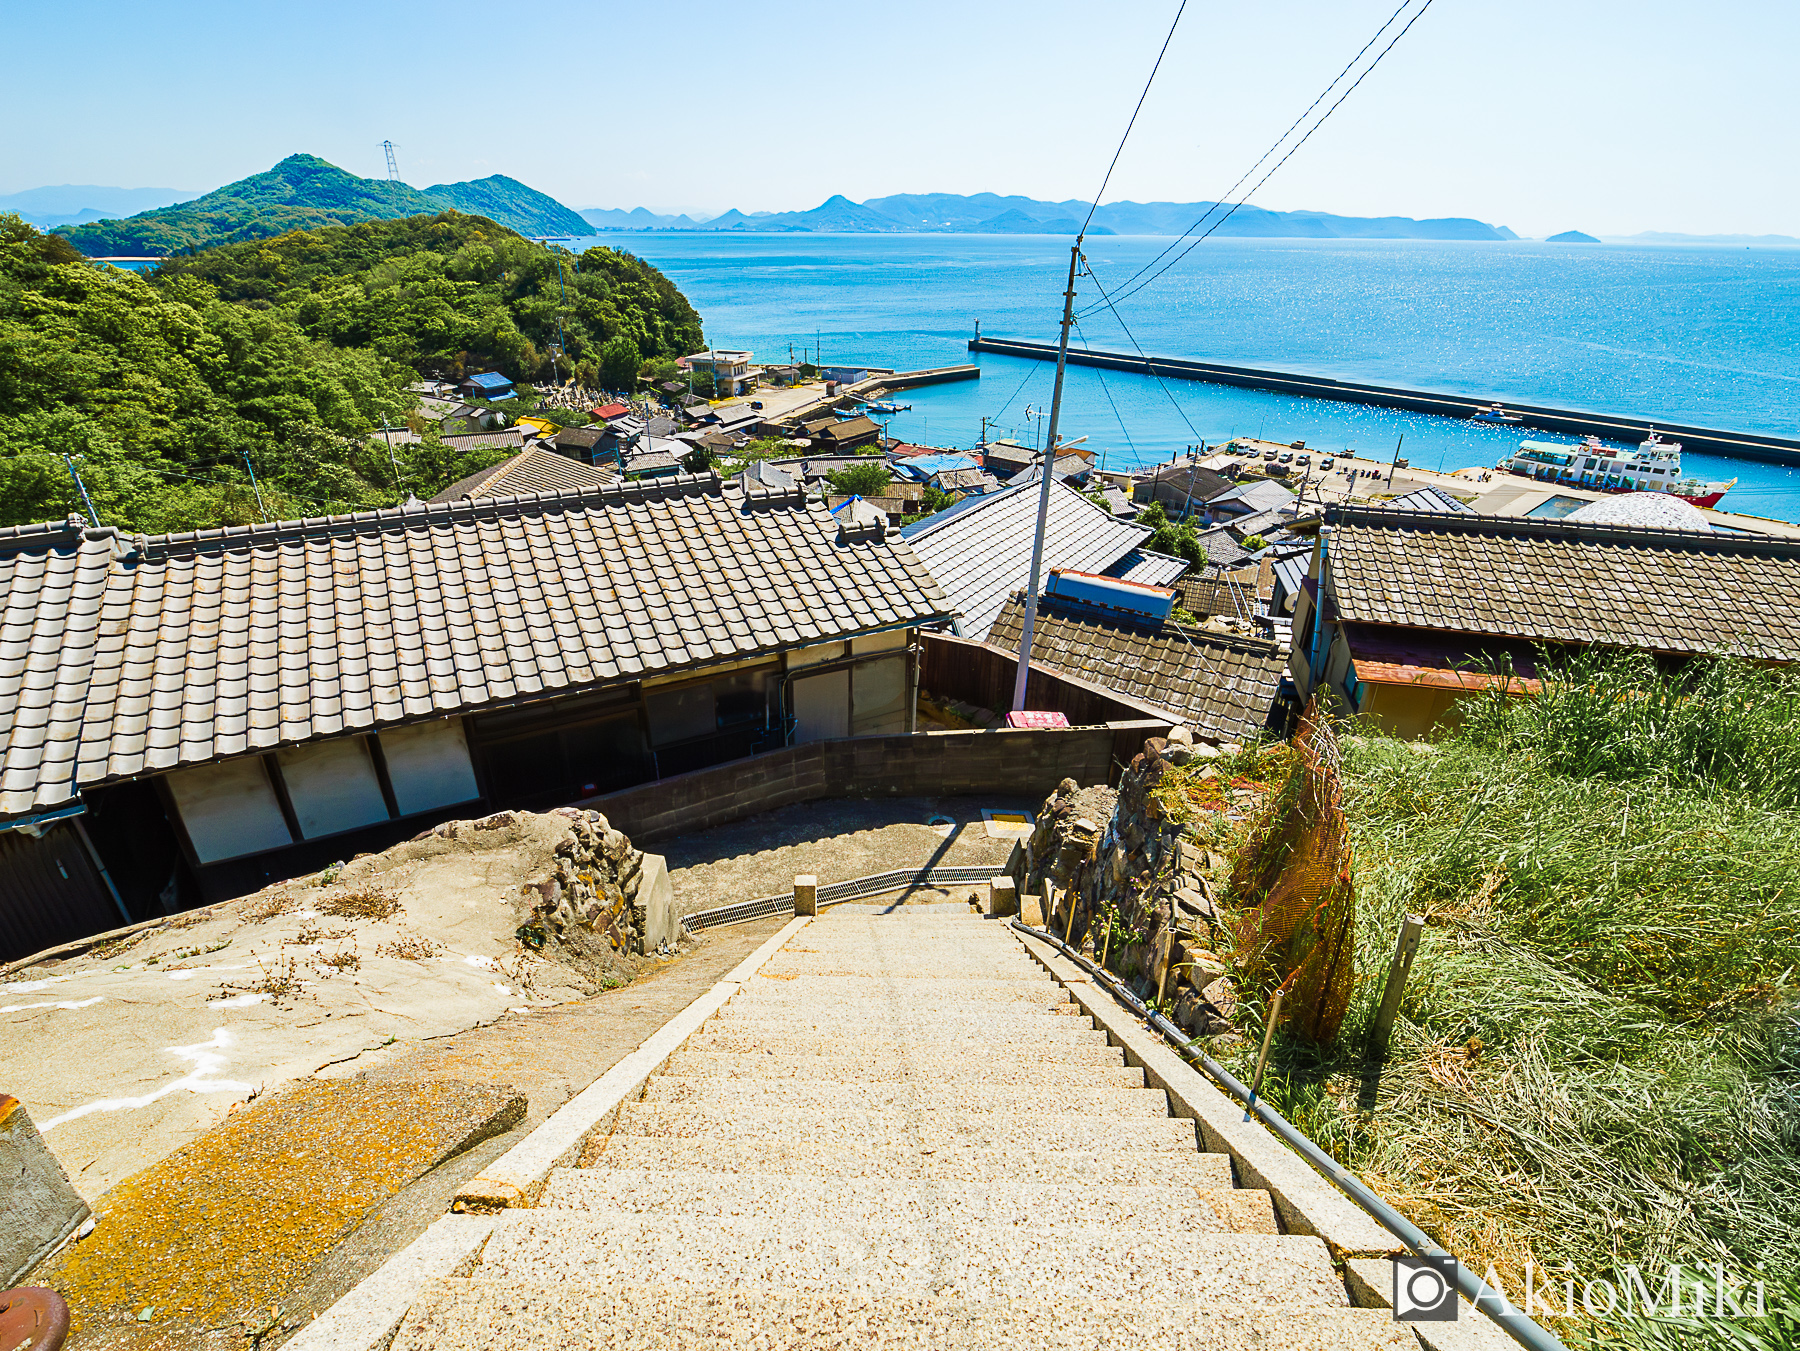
[304, 192]
[989, 213]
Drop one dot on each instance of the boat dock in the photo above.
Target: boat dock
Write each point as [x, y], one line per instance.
[1629, 431]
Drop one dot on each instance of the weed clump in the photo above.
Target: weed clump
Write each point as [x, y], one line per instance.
[1597, 1063]
[369, 903]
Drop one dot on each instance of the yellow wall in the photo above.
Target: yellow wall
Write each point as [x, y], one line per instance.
[1412, 712]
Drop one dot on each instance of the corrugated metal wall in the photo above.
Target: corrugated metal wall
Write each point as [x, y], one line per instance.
[50, 892]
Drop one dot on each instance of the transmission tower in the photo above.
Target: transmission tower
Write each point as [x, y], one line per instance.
[393, 165]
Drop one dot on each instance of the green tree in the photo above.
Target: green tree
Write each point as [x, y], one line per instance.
[862, 480]
[618, 365]
[766, 448]
[699, 460]
[1254, 542]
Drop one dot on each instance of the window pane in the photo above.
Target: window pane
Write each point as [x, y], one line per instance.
[428, 764]
[878, 697]
[332, 785]
[229, 809]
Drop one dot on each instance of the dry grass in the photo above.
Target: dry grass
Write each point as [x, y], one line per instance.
[369, 903]
[411, 948]
[1598, 1057]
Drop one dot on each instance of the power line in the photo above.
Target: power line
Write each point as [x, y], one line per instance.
[1149, 367]
[1131, 289]
[1082, 233]
[1274, 146]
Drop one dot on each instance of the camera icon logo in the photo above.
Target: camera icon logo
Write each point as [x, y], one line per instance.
[1424, 1289]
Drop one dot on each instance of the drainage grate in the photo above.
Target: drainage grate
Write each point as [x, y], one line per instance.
[835, 893]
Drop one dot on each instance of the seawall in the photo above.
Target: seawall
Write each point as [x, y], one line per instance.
[1742, 445]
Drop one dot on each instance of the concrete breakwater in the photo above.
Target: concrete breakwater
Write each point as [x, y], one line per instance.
[1741, 445]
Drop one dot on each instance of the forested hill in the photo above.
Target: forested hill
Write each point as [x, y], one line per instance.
[289, 355]
[304, 192]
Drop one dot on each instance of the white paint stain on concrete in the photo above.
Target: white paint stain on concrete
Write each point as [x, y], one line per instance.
[27, 986]
[206, 1060]
[52, 1004]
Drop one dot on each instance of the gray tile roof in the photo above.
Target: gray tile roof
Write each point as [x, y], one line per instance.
[120, 657]
[532, 470]
[1430, 498]
[981, 553]
[1514, 577]
[1221, 685]
[1148, 567]
[1257, 495]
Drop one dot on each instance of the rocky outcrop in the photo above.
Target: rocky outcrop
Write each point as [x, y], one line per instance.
[1134, 881]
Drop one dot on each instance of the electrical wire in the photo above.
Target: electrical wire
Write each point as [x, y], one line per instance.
[1149, 366]
[1273, 147]
[1082, 233]
[1132, 288]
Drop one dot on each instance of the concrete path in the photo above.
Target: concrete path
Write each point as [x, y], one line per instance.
[900, 1133]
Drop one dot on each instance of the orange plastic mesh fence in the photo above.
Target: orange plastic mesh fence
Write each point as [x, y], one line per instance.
[1299, 914]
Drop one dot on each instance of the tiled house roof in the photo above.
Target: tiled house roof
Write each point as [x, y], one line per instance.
[126, 656]
[1222, 686]
[1513, 577]
[980, 549]
[533, 470]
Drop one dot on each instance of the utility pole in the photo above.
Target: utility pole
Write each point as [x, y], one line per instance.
[261, 510]
[390, 449]
[1048, 472]
[1396, 464]
[81, 488]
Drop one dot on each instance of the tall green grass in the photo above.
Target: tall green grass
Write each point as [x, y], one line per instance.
[1598, 1059]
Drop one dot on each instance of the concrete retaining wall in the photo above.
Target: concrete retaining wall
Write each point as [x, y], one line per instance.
[928, 764]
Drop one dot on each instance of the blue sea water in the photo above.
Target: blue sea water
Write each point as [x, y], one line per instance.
[1706, 335]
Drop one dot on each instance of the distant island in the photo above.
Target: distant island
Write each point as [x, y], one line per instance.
[987, 213]
[304, 192]
[1571, 237]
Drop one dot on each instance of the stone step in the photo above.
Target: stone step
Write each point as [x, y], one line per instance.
[905, 1006]
[922, 965]
[1014, 1021]
[806, 994]
[830, 1130]
[775, 985]
[1106, 1166]
[479, 1314]
[1096, 1067]
[897, 1253]
[858, 1201]
[782, 1096]
[809, 1037]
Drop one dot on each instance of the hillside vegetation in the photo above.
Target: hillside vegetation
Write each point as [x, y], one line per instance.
[286, 355]
[304, 192]
[1598, 1059]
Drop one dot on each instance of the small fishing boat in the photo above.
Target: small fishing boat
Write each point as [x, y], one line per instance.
[886, 409]
[1495, 413]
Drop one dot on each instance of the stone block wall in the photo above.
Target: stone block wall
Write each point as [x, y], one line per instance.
[927, 764]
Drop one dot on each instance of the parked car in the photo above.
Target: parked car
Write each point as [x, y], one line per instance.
[1326, 463]
[1303, 459]
[1287, 457]
[1268, 455]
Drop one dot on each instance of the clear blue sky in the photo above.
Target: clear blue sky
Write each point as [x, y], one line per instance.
[1610, 116]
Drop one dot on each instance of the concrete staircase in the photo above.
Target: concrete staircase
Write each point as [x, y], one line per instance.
[900, 1134]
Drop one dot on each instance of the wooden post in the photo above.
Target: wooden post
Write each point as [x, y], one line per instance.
[1398, 970]
[806, 894]
[1165, 949]
[1003, 896]
[1274, 1015]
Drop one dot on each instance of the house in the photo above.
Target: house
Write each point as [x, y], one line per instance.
[964, 481]
[1222, 550]
[1182, 486]
[1123, 637]
[487, 385]
[844, 375]
[578, 443]
[649, 456]
[1249, 498]
[194, 715]
[1069, 469]
[924, 468]
[508, 440]
[980, 549]
[1402, 613]
[848, 434]
[1430, 498]
[1006, 457]
[732, 372]
[1256, 525]
[606, 412]
[895, 508]
[532, 470]
[762, 474]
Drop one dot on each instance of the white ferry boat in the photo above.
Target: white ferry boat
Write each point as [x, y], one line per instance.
[1654, 467]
